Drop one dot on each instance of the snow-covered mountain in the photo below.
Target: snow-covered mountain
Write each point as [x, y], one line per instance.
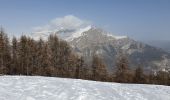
[71, 34]
[92, 40]
[108, 46]
[81, 32]
[64, 33]
[48, 88]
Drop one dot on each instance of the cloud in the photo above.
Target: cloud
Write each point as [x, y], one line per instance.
[69, 22]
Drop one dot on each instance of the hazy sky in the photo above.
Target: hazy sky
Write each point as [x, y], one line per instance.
[139, 19]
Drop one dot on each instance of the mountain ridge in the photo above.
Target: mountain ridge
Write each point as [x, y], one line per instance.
[93, 40]
[108, 48]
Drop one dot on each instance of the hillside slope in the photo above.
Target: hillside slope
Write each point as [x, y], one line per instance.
[108, 46]
[48, 88]
[91, 40]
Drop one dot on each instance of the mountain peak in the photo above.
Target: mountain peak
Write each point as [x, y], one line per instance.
[100, 31]
[78, 33]
[71, 34]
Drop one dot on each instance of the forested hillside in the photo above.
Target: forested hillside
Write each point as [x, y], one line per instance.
[54, 57]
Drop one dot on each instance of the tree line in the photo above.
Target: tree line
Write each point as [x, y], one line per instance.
[54, 57]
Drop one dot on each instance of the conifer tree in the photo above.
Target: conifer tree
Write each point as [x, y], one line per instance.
[139, 76]
[162, 78]
[14, 63]
[99, 70]
[22, 55]
[79, 67]
[5, 57]
[122, 69]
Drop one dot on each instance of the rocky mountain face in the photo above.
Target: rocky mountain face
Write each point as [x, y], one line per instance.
[97, 41]
[91, 40]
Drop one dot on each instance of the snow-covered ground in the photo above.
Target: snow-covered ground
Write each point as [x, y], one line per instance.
[48, 88]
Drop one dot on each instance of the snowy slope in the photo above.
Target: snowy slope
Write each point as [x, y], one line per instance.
[48, 88]
[78, 33]
[71, 34]
[65, 34]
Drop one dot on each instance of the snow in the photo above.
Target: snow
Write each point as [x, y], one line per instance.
[49, 88]
[116, 37]
[78, 33]
[69, 36]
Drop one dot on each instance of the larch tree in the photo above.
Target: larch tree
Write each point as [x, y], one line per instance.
[99, 71]
[122, 66]
[22, 55]
[5, 57]
[14, 63]
[139, 76]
